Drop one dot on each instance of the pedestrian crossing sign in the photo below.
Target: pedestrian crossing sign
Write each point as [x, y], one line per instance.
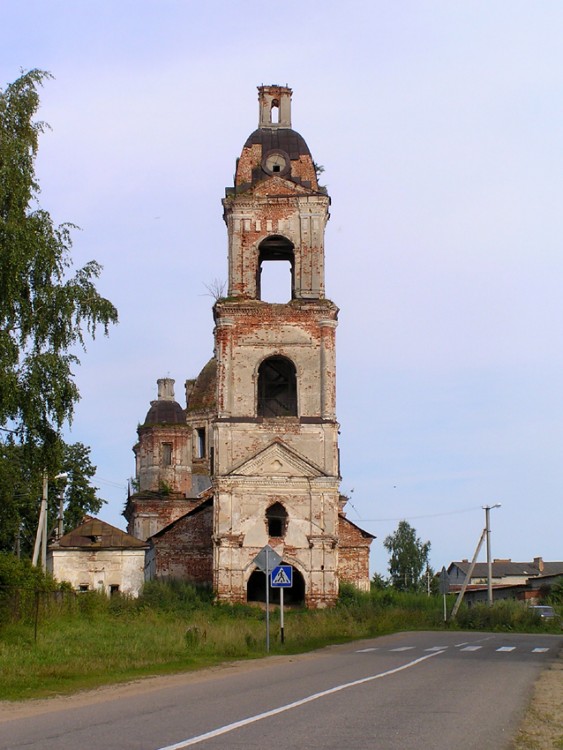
[282, 577]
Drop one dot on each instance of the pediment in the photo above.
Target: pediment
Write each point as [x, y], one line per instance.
[277, 460]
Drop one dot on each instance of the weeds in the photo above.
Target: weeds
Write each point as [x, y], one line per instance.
[84, 640]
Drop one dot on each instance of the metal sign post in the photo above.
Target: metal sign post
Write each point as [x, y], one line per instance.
[265, 560]
[267, 571]
[282, 578]
[444, 588]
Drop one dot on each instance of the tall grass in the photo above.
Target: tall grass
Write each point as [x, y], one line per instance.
[87, 640]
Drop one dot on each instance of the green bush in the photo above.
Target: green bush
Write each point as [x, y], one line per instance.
[506, 615]
[175, 596]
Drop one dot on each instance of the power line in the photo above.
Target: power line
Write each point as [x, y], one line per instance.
[426, 515]
[119, 485]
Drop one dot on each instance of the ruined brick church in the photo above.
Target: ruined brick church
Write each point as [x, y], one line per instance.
[252, 458]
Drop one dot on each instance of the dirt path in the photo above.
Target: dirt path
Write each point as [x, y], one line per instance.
[542, 726]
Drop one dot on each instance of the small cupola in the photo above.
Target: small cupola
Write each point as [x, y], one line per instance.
[275, 106]
[165, 410]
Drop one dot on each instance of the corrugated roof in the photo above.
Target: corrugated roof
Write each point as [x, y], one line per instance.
[506, 568]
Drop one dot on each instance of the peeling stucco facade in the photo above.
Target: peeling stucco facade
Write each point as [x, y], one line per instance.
[258, 439]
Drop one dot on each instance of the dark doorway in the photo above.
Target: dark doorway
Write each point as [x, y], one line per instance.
[256, 589]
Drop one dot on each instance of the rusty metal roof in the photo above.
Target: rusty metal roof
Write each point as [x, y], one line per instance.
[203, 395]
[282, 139]
[165, 411]
[96, 534]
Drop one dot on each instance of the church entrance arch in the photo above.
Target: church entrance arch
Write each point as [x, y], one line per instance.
[256, 589]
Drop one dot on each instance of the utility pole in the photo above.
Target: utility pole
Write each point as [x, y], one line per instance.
[42, 535]
[487, 509]
[60, 525]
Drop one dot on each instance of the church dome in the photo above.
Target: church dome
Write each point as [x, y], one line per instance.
[165, 410]
[274, 149]
[202, 395]
[279, 139]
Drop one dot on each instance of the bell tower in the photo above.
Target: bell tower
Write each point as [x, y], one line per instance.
[275, 464]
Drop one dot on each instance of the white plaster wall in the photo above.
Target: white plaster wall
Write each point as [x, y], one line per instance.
[99, 569]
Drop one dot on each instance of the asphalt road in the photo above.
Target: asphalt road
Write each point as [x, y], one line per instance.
[409, 690]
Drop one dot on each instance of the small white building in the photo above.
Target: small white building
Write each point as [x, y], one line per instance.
[98, 557]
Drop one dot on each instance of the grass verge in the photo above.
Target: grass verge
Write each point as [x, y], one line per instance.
[81, 642]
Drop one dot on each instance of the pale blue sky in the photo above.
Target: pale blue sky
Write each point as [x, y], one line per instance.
[439, 125]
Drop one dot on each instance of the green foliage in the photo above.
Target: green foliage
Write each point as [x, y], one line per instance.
[79, 495]
[21, 479]
[506, 615]
[556, 592]
[175, 596]
[42, 308]
[45, 312]
[379, 582]
[16, 573]
[85, 640]
[408, 558]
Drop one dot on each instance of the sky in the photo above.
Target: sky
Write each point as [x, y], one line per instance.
[440, 128]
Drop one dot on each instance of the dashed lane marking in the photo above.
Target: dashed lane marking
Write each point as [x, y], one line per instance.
[402, 648]
[471, 648]
[539, 650]
[436, 648]
[506, 648]
[365, 650]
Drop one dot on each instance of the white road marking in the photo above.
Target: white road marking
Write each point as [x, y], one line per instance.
[402, 648]
[506, 648]
[471, 648]
[251, 719]
[436, 648]
[539, 650]
[365, 650]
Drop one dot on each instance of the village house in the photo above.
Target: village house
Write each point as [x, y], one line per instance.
[527, 581]
[98, 557]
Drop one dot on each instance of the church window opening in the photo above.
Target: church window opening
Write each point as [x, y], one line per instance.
[276, 519]
[275, 280]
[166, 454]
[275, 112]
[200, 442]
[277, 388]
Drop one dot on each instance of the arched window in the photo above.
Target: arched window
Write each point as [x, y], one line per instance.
[275, 112]
[277, 388]
[276, 519]
[275, 248]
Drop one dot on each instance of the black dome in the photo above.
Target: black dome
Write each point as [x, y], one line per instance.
[282, 139]
[165, 411]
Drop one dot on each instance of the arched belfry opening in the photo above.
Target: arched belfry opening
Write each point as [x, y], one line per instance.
[275, 112]
[279, 286]
[256, 589]
[277, 388]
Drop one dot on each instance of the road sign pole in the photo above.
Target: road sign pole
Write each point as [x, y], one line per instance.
[281, 616]
[267, 601]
